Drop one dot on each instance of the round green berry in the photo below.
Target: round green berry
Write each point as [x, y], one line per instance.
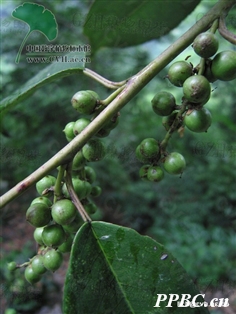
[38, 235]
[80, 125]
[53, 235]
[198, 120]
[148, 150]
[197, 89]
[31, 276]
[74, 226]
[79, 186]
[63, 212]
[90, 174]
[45, 183]
[174, 163]
[90, 208]
[52, 260]
[68, 130]
[78, 161]
[96, 191]
[223, 66]
[94, 94]
[38, 214]
[12, 266]
[66, 246]
[143, 172]
[112, 123]
[206, 45]
[163, 103]
[102, 133]
[84, 102]
[37, 265]
[94, 150]
[155, 173]
[42, 199]
[178, 72]
[87, 188]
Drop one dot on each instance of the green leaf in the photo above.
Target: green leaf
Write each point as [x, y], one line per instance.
[50, 73]
[115, 270]
[39, 19]
[125, 23]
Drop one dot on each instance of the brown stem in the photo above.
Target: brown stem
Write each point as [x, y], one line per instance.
[74, 197]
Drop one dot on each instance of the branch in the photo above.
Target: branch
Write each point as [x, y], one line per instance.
[223, 30]
[102, 80]
[132, 87]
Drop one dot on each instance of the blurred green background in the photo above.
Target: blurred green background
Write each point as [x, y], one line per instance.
[193, 216]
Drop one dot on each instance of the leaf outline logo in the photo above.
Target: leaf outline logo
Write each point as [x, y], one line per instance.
[39, 19]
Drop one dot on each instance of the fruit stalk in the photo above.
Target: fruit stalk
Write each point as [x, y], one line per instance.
[173, 127]
[74, 196]
[132, 87]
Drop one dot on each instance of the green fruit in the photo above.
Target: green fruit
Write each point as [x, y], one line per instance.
[163, 103]
[88, 188]
[197, 89]
[198, 120]
[38, 235]
[53, 235]
[84, 102]
[74, 226]
[148, 150]
[94, 94]
[174, 163]
[90, 174]
[31, 276]
[207, 71]
[90, 208]
[63, 212]
[143, 172]
[94, 150]
[103, 133]
[96, 191]
[68, 130]
[12, 266]
[223, 65]
[155, 173]
[112, 123]
[38, 215]
[45, 183]
[179, 72]
[52, 259]
[79, 186]
[80, 125]
[42, 199]
[37, 265]
[66, 246]
[206, 45]
[78, 161]
[139, 155]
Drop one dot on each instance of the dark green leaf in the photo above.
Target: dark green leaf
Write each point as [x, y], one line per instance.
[50, 73]
[115, 270]
[125, 23]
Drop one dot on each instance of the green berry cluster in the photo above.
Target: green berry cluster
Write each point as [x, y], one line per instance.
[88, 103]
[55, 213]
[191, 113]
[56, 220]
